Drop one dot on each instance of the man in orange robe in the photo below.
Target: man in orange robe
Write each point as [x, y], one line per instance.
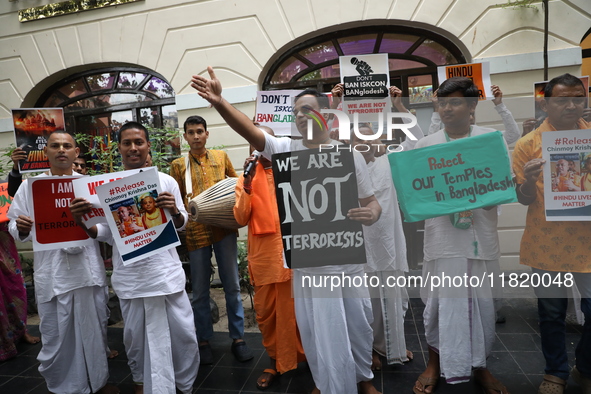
[256, 206]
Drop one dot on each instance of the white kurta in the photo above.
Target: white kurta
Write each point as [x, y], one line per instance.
[460, 321]
[385, 247]
[72, 299]
[511, 132]
[335, 331]
[159, 333]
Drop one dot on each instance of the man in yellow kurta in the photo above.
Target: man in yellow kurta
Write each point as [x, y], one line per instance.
[555, 248]
[207, 167]
[256, 206]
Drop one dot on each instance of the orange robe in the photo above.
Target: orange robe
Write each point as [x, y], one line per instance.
[273, 300]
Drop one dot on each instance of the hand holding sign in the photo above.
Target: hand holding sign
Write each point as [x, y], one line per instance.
[24, 225]
[17, 155]
[209, 89]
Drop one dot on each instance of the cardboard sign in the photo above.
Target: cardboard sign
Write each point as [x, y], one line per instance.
[465, 174]
[274, 109]
[54, 226]
[567, 175]
[139, 228]
[32, 127]
[479, 73]
[314, 193]
[5, 201]
[366, 79]
[85, 187]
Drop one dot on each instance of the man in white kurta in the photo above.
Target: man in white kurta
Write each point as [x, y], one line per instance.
[385, 248]
[71, 293]
[159, 334]
[459, 321]
[335, 330]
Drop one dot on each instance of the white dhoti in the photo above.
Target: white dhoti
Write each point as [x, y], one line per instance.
[160, 342]
[389, 306]
[73, 331]
[336, 335]
[460, 320]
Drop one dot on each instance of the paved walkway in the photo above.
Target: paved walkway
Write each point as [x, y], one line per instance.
[516, 360]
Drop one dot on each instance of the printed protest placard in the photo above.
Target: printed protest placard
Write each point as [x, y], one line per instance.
[539, 96]
[53, 224]
[453, 177]
[275, 110]
[32, 127]
[366, 79]
[85, 187]
[479, 73]
[567, 175]
[315, 190]
[139, 228]
[5, 201]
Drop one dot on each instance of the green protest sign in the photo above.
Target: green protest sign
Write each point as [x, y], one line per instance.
[452, 177]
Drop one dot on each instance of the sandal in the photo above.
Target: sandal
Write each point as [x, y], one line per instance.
[581, 380]
[425, 382]
[493, 385]
[552, 385]
[272, 374]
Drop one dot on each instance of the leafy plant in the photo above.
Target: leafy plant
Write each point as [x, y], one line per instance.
[243, 273]
[6, 161]
[105, 155]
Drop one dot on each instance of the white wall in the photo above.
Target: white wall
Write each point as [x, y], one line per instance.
[241, 39]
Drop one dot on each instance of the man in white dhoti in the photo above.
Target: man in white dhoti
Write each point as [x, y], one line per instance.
[459, 321]
[71, 292]
[336, 334]
[159, 333]
[385, 247]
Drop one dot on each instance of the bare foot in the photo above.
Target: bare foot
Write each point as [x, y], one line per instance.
[138, 389]
[31, 339]
[367, 388]
[113, 354]
[376, 363]
[108, 389]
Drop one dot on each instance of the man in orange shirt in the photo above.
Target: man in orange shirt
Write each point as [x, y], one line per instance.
[555, 248]
[256, 205]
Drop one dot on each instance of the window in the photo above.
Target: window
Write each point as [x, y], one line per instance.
[413, 54]
[99, 102]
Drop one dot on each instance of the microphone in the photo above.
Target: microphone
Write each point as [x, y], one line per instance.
[253, 163]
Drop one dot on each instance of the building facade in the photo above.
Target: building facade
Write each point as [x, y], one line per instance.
[134, 60]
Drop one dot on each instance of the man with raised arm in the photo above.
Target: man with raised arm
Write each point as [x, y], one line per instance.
[335, 332]
[159, 333]
[554, 248]
[71, 292]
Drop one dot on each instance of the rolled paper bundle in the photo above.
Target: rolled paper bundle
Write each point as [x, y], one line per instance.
[215, 206]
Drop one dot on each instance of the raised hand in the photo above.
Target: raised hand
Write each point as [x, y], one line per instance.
[210, 89]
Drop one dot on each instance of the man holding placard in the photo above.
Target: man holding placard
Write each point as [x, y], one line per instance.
[71, 292]
[335, 330]
[460, 330]
[159, 332]
[558, 250]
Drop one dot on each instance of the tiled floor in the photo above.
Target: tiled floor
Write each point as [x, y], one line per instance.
[516, 360]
